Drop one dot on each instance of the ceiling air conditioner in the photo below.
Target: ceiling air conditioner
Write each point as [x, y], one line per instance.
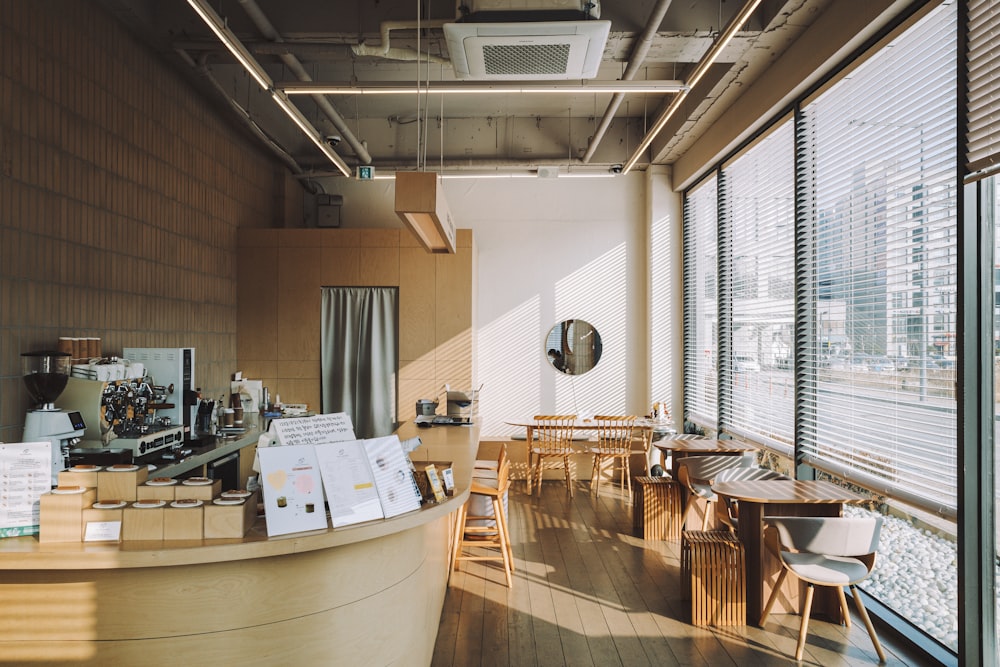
[523, 51]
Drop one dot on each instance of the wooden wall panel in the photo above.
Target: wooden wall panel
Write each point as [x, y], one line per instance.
[311, 259]
[121, 195]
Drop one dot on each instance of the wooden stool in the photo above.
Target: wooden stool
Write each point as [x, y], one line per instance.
[656, 512]
[713, 575]
[497, 536]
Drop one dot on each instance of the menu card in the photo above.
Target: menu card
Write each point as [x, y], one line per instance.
[25, 474]
[316, 430]
[349, 483]
[397, 489]
[293, 490]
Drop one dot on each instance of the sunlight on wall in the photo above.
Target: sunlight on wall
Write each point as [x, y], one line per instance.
[510, 359]
[596, 292]
[512, 364]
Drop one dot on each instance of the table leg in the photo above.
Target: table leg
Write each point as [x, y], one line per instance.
[763, 567]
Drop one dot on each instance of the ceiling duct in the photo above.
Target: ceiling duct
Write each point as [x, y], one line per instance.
[524, 40]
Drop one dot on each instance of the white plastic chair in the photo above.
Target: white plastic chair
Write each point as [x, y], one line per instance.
[825, 551]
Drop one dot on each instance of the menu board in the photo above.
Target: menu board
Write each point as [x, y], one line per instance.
[349, 483]
[316, 430]
[25, 474]
[397, 489]
[293, 489]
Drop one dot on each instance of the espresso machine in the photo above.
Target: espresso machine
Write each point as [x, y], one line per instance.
[45, 375]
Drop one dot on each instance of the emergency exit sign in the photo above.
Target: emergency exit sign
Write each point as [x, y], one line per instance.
[366, 173]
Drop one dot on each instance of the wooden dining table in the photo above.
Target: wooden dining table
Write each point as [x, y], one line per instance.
[644, 428]
[761, 498]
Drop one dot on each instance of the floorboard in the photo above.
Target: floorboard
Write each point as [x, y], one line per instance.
[588, 592]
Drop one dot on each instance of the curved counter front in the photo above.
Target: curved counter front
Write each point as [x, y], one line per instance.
[366, 595]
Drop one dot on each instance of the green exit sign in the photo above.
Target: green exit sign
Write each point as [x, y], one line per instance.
[366, 173]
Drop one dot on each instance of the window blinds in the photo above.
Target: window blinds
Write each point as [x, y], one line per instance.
[877, 203]
[700, 304]
[758, 205]
[983, 93]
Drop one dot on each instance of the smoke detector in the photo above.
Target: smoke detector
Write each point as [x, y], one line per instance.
[524, 51]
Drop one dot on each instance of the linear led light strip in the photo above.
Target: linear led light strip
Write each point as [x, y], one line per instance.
[394, 88]
[699, 71]
[226, 36]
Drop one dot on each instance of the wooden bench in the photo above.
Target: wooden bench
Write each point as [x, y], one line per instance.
[713, 575]
[656, 509]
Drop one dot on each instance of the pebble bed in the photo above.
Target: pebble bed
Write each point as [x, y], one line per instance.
[916, 574]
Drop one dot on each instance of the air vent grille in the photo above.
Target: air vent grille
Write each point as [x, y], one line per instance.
[527, 50]
[526, 59]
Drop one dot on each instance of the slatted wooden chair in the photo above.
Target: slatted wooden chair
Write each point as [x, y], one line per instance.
[614, 446]
[551, 441]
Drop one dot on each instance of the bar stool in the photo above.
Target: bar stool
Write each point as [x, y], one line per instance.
[485, 531]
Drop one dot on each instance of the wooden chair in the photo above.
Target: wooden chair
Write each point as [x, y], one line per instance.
[485, 531]
[695, 472]
[614, 445]
[551, 438]
[825, 551]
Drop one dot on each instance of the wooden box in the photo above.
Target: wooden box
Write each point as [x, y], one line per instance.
[120, 484]
[142, 523]
[60, 514]
[183, 523]
[79, 476]
[198, 491]
[230, 520]
[150, 491]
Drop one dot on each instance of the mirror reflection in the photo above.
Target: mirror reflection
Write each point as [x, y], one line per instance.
[573, 347]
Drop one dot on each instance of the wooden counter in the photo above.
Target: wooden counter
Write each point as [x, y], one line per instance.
[370, 594]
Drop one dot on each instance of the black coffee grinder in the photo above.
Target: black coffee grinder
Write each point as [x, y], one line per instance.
[45, 376]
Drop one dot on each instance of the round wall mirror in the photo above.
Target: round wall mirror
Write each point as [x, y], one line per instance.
[573, 347]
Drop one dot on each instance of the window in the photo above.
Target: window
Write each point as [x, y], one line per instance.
[700, 304]
[834, 236]
[881, 211]
[758, 204]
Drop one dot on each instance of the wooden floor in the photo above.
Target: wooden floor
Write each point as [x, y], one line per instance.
[587, 592]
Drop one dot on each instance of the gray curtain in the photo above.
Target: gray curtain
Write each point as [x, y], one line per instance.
[360, 356]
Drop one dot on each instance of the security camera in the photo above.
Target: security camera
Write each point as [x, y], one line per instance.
[333, 139]
[615, 169]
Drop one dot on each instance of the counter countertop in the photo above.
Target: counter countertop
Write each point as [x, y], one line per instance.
[456, 444]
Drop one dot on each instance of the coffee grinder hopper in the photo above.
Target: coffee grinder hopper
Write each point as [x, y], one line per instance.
[45, 376]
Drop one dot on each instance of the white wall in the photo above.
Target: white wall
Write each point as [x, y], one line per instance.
[548, 250]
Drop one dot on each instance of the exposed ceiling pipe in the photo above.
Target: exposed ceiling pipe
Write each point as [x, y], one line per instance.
[706, 62]
[384, 50]
[267, 29]
[242, 113]
[638, 57]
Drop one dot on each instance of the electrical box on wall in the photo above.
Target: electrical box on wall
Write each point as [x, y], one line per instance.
[328, 210]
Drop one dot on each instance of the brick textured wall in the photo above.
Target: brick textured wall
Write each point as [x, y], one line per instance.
[121, 194]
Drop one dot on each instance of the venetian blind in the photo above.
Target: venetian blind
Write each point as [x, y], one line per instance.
[877, 202]
[758, 211]
[982, 140]
[700, 301]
